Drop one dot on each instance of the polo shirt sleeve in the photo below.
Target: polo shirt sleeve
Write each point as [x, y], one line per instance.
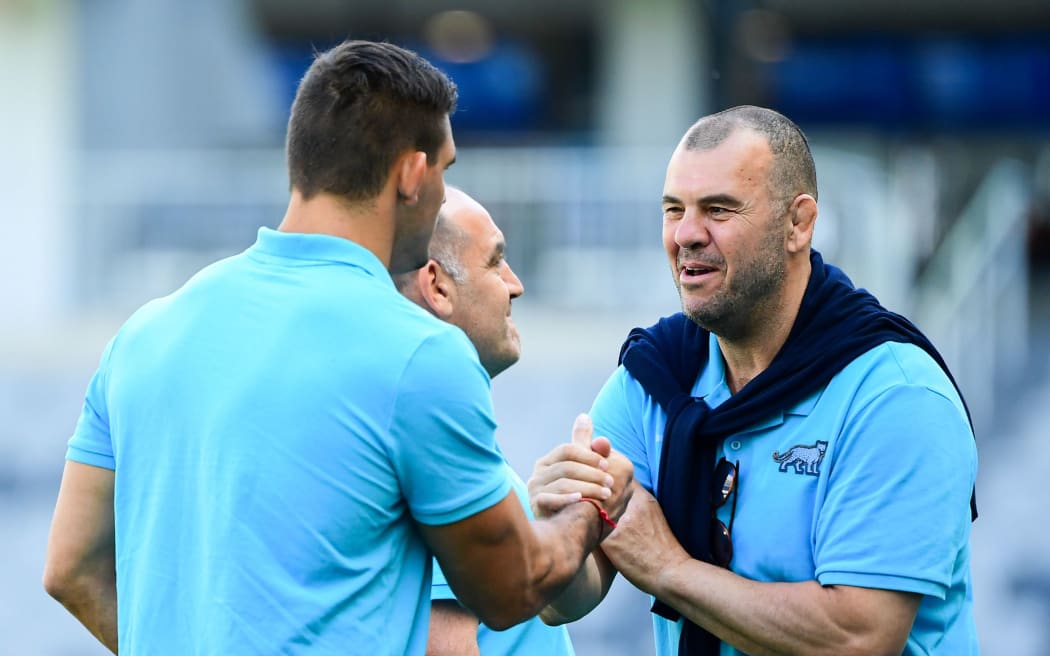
[439, 587]
[896, 511]
[619, 413]
[443, 433]
[91, 443]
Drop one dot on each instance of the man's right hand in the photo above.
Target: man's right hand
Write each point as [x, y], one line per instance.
[506, 569]
[586, 467]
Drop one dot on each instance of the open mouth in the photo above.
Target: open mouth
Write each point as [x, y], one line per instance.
[696, 270]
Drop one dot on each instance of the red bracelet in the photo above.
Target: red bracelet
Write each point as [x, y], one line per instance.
[601, 512]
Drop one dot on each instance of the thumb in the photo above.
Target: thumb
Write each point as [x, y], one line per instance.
[602, 446]
[582, 431]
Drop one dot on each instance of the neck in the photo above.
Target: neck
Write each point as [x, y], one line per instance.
[369, 223]
[750, 353]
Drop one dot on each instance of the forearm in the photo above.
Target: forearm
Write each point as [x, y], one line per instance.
[92, 599]
[453, 630]
[787, 618]
[80, 568]
[584, 593]
[562, 555]
[505, 568]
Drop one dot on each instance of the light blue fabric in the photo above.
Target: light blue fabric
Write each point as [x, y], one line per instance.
[529, 637]
[275, 425]
[885, 506]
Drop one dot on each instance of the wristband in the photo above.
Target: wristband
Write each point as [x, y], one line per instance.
[601, 512]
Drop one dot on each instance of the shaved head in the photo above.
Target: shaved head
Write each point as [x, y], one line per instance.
[793, 171]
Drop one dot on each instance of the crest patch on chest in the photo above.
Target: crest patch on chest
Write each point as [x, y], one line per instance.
[805, 458]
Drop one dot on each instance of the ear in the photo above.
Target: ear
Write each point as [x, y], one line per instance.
[803, 213]
[438, 289]
[410, 169]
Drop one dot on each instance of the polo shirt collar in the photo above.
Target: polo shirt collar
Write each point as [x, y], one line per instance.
[312, 248]
[711, 386]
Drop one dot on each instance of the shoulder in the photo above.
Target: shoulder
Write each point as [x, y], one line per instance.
[433, 359]
[896, 399]
[437, 348]
[621, 392]
[894, 365]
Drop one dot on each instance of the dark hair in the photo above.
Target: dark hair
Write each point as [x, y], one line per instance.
[359, 106]
[793, 169]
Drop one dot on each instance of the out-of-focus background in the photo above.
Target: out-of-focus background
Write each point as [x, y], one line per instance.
[142, 139]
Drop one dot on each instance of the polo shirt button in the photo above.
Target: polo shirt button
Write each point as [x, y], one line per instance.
[735, 445]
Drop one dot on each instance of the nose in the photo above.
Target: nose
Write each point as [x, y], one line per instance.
[691, 230]
[514, 285]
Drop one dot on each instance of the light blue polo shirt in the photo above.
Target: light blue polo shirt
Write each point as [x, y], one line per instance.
[525, 639]
[865, 483]
[276, 427]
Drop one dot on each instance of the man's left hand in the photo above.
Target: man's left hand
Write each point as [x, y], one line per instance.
[642, 546]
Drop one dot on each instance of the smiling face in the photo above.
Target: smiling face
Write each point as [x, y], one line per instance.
[482, 291]
[725, 234]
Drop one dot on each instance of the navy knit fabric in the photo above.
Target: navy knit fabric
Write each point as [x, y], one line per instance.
[836, 323]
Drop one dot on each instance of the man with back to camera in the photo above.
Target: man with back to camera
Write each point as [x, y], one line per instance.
[469, 283]
[820, 434]
[268, 457]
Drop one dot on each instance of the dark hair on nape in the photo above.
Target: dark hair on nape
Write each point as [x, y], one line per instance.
[793, 169]
[359, 106]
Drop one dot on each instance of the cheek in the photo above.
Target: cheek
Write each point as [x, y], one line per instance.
[670, 245]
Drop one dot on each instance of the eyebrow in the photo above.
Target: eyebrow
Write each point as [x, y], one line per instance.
[498, 250]
[713, 199]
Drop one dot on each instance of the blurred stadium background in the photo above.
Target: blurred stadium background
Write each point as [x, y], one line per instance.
[142, 139]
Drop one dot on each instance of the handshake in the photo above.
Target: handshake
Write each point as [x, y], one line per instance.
[585, 469]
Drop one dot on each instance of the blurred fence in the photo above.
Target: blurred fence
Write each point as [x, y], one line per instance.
[972, 299]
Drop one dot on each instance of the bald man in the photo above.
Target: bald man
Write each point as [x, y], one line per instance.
[468, 283]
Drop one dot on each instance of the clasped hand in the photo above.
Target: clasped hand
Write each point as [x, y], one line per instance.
[586, 467]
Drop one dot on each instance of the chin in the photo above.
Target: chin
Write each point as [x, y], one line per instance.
[699, 314]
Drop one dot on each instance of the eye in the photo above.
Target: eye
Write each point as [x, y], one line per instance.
[672, 211]
[719, 213]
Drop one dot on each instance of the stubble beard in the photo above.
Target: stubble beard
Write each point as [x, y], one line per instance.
[740, 306]
[500, 357]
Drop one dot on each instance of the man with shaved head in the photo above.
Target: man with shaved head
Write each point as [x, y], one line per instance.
[469, 283]
[805, 462]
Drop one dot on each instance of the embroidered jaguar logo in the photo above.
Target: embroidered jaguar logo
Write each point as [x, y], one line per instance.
[804, 458]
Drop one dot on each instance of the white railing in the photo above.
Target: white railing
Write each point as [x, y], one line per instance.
[972, 299]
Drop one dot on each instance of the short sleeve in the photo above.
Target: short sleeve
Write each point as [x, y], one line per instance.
[443, 433]
[619, 413]
[439, 588]
[91, 443]
[896, 510]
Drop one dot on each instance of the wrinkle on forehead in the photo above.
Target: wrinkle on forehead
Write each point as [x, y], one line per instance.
[740, 163]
